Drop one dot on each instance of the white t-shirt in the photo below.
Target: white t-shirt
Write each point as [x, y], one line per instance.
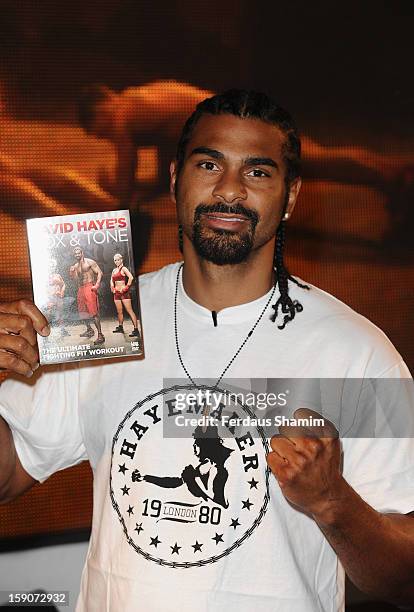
[160, 544]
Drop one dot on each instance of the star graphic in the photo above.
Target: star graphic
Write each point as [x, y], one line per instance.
[253, 483]
[235, 523]
[125, 490]
[218, 538]
[247, 504]
[197, 546]
[122, 468]
[175, 548]
[139, 528]
[130, 510]
[155, 541]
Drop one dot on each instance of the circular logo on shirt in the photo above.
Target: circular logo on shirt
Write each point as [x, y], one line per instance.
[189, 488]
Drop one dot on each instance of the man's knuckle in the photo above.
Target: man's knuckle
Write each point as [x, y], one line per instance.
[23, 303]
[20, 344]
[313, 446]
[272, 461]
[301, 461]
[10, 360]
[26, 322]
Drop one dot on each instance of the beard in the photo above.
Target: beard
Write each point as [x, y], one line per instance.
[223, 247]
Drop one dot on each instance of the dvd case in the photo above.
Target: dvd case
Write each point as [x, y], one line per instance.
[83, 281]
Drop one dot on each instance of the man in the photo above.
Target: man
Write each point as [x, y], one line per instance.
[274, 544]
[88, 275]
[149, 115]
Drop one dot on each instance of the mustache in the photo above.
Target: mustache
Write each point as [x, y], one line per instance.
[221, 207]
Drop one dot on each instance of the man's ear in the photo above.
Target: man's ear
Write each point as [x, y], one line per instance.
[294, 189]
[173, 180]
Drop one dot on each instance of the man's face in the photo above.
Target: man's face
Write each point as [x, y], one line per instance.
[78, 253]
[231, 189]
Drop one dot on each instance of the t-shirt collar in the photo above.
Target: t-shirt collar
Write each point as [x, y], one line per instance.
[232, 314]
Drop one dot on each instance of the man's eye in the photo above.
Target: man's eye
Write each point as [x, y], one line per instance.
[257, 172]
[207, 165]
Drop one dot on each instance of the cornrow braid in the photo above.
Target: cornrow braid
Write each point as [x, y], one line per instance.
[246, 104]
[288, 306]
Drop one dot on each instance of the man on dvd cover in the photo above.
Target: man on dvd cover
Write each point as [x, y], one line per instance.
[89, 275]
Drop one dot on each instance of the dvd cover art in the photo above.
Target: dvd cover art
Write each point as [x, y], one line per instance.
[83, 281]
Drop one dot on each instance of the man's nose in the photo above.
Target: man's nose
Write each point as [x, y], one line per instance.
[230, 187]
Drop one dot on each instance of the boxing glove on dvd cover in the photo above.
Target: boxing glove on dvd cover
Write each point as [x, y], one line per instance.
[84, 283]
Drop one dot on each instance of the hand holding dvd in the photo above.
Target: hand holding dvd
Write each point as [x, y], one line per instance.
[19, 322]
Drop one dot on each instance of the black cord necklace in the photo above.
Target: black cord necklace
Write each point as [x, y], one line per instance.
[238, 350]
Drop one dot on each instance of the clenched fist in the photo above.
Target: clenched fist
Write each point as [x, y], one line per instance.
[137, 476]
[19, 322]
[306, 462]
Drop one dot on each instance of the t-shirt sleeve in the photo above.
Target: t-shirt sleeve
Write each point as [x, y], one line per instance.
[381, 468]
[43, 416]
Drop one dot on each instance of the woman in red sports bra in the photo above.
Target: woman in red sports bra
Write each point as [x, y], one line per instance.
[121, 280]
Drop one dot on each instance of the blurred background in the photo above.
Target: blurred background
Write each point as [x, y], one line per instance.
[343, 70]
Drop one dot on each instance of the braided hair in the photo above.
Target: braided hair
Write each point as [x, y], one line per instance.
[248, 104]
[288, 306]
